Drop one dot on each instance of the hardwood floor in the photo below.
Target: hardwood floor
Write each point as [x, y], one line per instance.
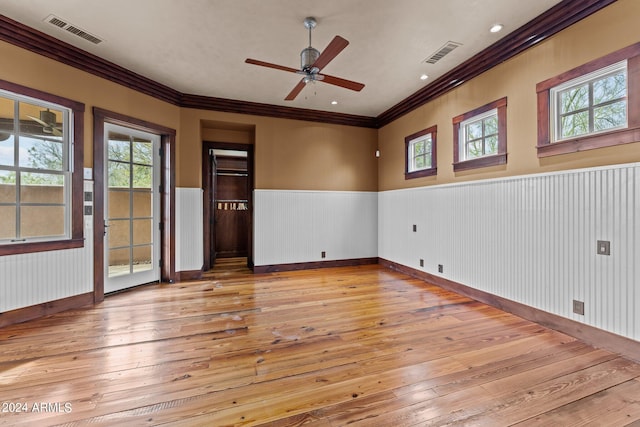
[358, 346]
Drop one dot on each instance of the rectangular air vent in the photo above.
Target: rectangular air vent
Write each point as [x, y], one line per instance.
[442, 52]
[73, 29]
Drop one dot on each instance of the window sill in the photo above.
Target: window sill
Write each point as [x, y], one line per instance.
[26, 248]
[481, 162]
[589, 142]
[421, 173]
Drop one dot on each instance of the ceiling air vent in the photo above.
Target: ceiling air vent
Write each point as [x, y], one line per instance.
[61, 23]
[440, 53]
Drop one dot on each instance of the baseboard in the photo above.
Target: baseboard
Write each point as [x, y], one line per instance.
[46, 308]
[591, 335]
[312, 265]
[188, 275]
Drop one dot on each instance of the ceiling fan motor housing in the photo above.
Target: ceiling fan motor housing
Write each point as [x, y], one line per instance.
[308, 57]
[48, 117]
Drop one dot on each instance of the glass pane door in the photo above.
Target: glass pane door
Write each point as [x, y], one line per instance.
[131, 208]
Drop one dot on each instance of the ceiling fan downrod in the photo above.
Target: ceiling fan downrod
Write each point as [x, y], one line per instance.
[309, 55]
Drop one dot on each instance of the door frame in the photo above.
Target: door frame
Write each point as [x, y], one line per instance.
[167, 194]
[120, 282]
[207, 195]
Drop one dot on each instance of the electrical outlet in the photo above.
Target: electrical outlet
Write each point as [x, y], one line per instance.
[323, 254]
[604, 247]
[440, 268]
[578, 307]
[421, 262]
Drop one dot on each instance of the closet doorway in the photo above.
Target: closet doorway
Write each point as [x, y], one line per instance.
[228, 199]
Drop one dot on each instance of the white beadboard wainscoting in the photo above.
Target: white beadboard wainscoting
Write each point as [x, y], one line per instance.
[36, 278]
[530, 239]
[189, 229]
[297, 226]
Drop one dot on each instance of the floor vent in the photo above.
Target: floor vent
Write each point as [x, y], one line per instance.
[442, 52]
[61, 23]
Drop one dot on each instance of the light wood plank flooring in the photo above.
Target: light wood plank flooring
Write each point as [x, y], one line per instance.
[357, 346]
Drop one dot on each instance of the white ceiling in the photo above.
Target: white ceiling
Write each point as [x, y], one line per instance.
[199, 46]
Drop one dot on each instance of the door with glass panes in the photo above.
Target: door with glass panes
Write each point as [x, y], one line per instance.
[132, 208]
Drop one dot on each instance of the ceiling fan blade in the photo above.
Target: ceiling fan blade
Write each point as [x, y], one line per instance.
[54, 130]
[331, 51]
[42, 122]
[270, 65]
[337, 81]
[296, 90]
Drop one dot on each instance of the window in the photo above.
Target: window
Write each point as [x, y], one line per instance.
[40, 172]
[592, 106]
[420, 153]
[480, 137]
[593, 103]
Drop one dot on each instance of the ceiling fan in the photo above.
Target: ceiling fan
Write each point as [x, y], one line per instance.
[48, 121]
[312, 62]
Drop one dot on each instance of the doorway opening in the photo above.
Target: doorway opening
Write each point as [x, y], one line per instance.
[228, 204]
[134, 197]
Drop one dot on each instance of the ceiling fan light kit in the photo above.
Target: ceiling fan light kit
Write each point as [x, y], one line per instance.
[312, 61]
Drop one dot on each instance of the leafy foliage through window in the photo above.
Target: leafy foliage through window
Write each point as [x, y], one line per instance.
[130, 162]
[35, 170]
[480, 136]
[593, 103]
[420, 153]
[592, 106]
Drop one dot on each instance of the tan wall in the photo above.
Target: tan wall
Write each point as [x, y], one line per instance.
[35, 221]
[613, 28]
[119, 207]
[294, 154]
[35, 71]
[289, 154]
[50, 220]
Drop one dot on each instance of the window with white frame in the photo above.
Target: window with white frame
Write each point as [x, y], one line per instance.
[37, 181]
[590, 104]
[420, 153]
[480, 136]
[594, 105]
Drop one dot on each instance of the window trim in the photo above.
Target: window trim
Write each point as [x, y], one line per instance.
[500, 105]
[77, 175]
[433, 170]
[610, 138]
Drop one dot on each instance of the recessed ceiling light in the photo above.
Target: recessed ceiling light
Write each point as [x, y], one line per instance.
[496, 28]
[424, 77]
[334, 102]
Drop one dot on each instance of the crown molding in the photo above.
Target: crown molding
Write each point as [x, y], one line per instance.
[35, 41]
[269, 110]
[554, 20]
[559, 17]
[20, 35]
